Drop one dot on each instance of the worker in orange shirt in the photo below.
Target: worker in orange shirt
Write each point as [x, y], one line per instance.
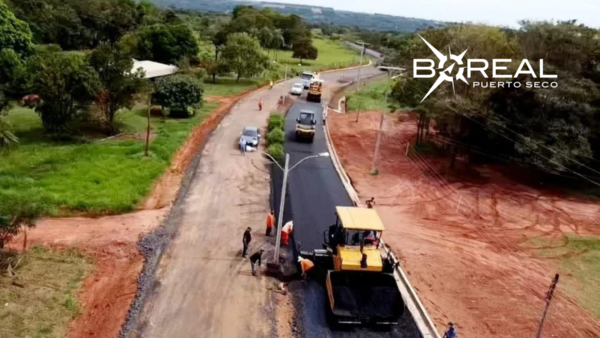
[270, 222]
[305, 266]
[285, 232]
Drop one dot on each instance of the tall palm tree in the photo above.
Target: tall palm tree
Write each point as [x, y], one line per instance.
[265, 35]
[278, 41]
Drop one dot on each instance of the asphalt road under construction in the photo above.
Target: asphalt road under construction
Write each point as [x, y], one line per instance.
[314, 190]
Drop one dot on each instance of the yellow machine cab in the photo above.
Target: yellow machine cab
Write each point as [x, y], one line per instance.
[355, 240]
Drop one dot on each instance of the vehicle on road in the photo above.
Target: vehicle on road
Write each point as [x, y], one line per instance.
[297, 88]
[307, 77]
[359, 278]
[251, 135]
[305, 126]
[314, 91]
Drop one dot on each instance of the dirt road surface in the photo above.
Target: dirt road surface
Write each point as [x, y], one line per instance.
[112, 241]
[205, 286]
[461, 239]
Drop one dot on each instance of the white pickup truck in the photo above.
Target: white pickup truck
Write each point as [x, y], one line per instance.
[307, 78]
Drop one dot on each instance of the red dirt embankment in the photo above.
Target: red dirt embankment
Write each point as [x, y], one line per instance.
[112, 240]
[460, 241]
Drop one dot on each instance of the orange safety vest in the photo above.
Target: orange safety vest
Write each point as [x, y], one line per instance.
[306, 265]
[270, 221]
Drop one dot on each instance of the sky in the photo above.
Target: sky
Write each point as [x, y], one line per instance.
[492, 12]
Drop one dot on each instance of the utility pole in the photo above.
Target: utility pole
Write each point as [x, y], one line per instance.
[281, 206]
[548, 300]
[362, 53]
[374, 170]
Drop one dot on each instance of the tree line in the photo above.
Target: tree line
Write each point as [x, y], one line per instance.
[72, 60]
[76, 55]
[554, 130]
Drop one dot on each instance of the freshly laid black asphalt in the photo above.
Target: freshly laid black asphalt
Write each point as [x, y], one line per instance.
[314, 189]
[314, 186]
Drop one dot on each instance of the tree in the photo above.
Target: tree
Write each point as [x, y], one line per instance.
[9, 64]
[66, 83]
[16, 213]
[304, 49]
[179, 94]
[7, 138]
[243, 55]
[278, 41]
[217, 34]
[166, 43]
[118, 82]
[266, 37]
[14, 33]
[122, 15]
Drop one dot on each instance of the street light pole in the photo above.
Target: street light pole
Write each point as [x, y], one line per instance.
[281, 206]
[286, 170]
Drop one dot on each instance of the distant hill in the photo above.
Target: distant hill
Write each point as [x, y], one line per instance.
[312, 14]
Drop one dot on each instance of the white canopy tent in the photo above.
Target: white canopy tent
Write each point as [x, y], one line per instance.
[154, 69]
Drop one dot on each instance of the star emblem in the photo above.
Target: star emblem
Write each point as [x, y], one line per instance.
[445, 75]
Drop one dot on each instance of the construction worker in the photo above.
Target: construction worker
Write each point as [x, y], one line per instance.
[285, 232]
[371, 203]
[451, 331]
[243, 146]
[246, 240]
[305, 266]
[260, 104]
[256, 257]
[270, 222]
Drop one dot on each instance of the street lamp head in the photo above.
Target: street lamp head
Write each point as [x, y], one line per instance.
[324, 154]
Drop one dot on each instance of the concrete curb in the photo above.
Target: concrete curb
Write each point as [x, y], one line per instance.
[413, 302]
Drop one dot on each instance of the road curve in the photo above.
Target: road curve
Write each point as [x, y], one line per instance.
[373, 53]
[314, 190]
[204, 287]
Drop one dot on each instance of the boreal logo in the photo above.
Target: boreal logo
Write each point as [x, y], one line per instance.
[477, 65]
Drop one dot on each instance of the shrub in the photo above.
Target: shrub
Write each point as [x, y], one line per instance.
[179, 93]
[276, 150]
[276, 136]
[276, 121]
[179, 113]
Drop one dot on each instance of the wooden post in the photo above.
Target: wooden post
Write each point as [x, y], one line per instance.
[148, 125]
[548, 300]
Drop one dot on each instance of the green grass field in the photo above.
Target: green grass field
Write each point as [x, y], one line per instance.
[370, 97]
[44, 299]
[111, 176]
[332, 54]
[95, 177]
[227, 86]
[579, 260]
